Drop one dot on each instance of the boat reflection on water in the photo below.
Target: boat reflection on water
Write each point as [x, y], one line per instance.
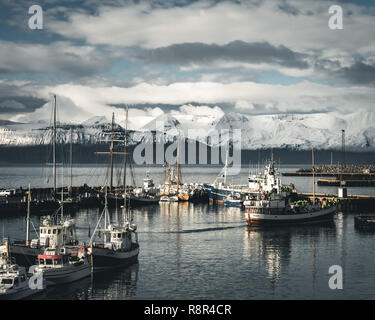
[273, 248]
[78, 290]
[119, 284]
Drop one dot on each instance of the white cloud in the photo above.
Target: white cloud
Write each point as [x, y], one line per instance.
[206, 22]
[58, 57]
[84, 101]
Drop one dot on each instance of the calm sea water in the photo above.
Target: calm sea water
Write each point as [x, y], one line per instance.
[207, 252]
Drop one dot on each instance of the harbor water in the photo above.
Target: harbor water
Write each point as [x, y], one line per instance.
[202, 251]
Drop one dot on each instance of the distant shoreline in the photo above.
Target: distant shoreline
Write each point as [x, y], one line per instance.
[85, 154]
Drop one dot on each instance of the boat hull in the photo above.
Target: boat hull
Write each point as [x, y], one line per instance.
[140, 201]
[290, 219]
[104, 258]
[66, 275]
[23, 293]
[231, 203]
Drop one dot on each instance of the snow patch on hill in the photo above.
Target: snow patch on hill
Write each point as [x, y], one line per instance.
[302, 131]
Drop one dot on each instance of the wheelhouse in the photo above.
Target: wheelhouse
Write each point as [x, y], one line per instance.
[52, 260]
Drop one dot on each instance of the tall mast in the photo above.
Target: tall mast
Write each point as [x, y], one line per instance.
[62, 190]
[226, 166]
[28, 218]
[178, 164]
[54, 145]
[165, 176]
[125, 149]
[111, 153]
[71, 161]
[313, 171]
[169, 179]
[125, 156]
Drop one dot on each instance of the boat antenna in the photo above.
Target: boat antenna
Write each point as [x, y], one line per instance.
[62, 190]
[54, 145]
[111, 152]
[313, 172]
[125, 156]
[178, 163]
[71, 162]
[125, 148]
[28, 217]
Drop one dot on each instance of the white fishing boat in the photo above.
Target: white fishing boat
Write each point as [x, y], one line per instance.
[268, 181]
[120, 245]
[55, 230]
[281, 211]
[275, 208]
[58, 267]
[14, 281]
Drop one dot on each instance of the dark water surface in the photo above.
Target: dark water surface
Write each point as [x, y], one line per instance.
[192, 251]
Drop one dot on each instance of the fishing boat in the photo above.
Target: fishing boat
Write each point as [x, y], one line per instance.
[145, 195]
[271, 210]
[198, 194]
[149, 186]
[219, 190]
[14, 280]
[54, 230]
[183, 194]
[120, 245]
[59, 267]
[233, 200]
[274, 208]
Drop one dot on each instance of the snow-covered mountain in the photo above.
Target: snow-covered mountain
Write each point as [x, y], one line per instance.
[302, 131]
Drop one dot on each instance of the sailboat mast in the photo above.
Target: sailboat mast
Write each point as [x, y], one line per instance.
[178, 164]
[71, 161]
[111, 153]
[169, 179]
[105, 209]
[165, 176]
[313, 172]
[54, 145]
[125, 150]
[62, 190]
[125, 156]
[28, 218]
[226, 167]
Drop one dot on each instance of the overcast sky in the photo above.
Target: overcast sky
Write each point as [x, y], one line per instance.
[253, 57]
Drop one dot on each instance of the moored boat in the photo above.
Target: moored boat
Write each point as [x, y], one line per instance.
[268, 212]
[275, 208]
[58, 267]
[14, 280]
[120, 246]
[233, 200]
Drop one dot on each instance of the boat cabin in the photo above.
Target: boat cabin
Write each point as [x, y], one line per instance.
[121, 238]
[56, 234]
[52, 260]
